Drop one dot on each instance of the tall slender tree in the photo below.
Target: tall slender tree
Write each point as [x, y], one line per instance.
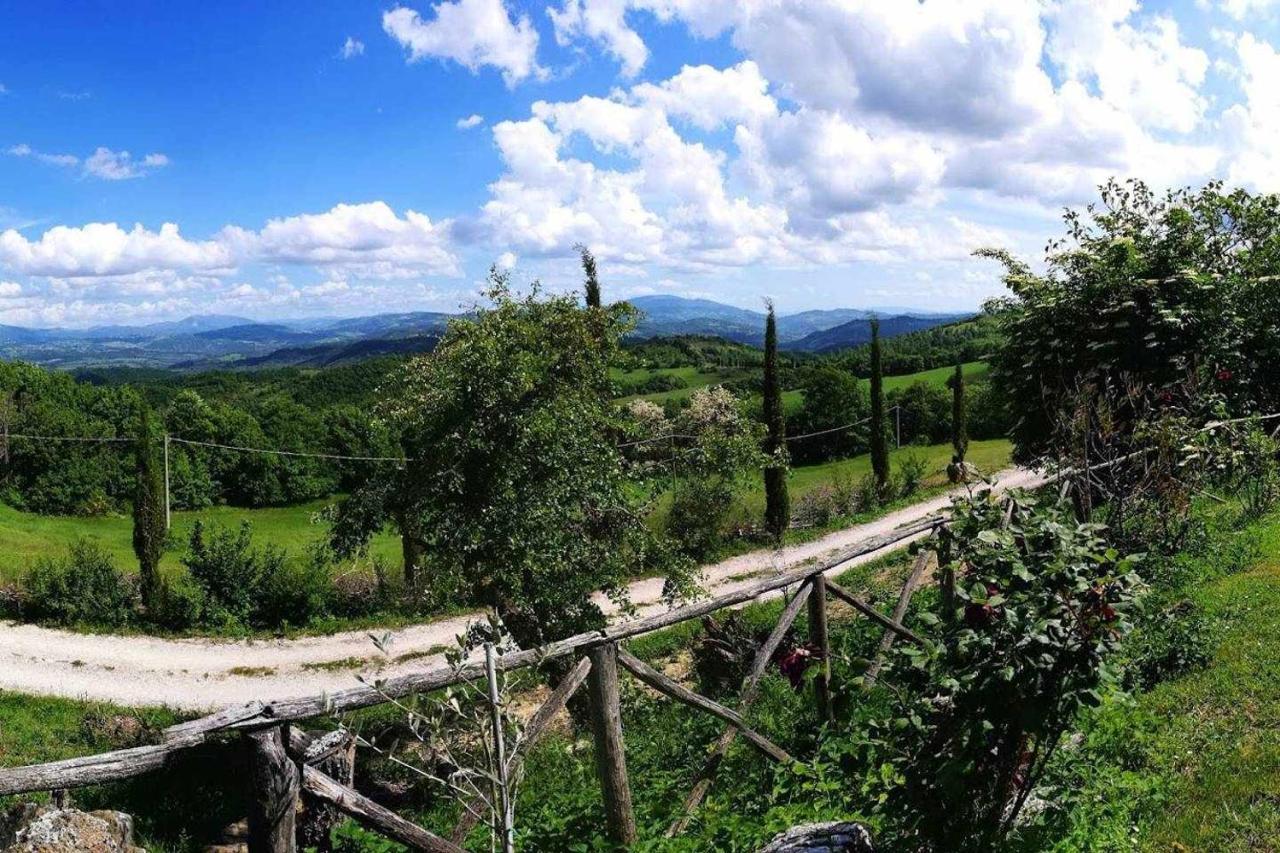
[879, 442]
[959, 426]
[777, 508]
[591, 279]
[148, 509]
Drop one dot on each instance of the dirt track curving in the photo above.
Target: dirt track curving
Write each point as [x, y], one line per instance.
[201, 674]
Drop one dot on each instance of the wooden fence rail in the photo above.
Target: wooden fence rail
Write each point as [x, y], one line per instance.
[284, 762]
[284, 765]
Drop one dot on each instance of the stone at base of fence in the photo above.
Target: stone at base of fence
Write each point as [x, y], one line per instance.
[27, 828]
[835, 837]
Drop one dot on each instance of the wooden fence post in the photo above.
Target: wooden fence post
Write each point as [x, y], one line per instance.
[611, 759]
[274, 800]
[820, 640]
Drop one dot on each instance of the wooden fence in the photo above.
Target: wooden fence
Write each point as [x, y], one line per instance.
[286, 762]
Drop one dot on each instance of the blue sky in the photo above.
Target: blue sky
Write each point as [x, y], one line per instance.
[301, 159]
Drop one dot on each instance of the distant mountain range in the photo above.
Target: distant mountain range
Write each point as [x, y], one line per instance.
[808, 331]
[217, 341]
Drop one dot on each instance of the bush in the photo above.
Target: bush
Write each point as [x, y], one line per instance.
[84, 587]
[697, 516]
[244, 586]
[182, 603]
[911, 471]
[1029, 615]
[294, 593]
[818, 507]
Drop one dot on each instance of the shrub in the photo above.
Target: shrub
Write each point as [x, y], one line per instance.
[697, 516]
[1170, 641]
[84, 587]
[866, 492]
[245, 586]
[1030, 613]
[818, 507]
[294, 593]
[911, 471]
[181, 605]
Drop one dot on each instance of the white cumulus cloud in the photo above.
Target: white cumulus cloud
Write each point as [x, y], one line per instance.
[473, 33]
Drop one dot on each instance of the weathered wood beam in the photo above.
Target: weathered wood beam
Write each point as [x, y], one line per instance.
[533, 732]
[124, 764]
[611, 753]
[444, 676]
[372, 815]
[746, 698]
[819, 639]
[680, 693]
[94, 769]
[871, 613]
[918, 569]
[214, 722]
[273, 803]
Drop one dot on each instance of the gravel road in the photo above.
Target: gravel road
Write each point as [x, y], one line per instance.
[203, 674]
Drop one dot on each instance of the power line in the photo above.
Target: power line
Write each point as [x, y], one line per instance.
[296, 453]
[82, 438]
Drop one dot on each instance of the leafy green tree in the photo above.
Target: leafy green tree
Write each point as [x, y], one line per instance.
[777, 511]
[959, 425]
[1156, 300]
[148, 509]
[924, 412]
[712, 467]
[514, 480]
[879, 441]
[591, 279]
[191, 468]
[833, 398]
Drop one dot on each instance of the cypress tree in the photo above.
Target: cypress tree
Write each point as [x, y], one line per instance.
[959, 417]
[589, 273]
[148, 510]
[879, 444]
[777, 509]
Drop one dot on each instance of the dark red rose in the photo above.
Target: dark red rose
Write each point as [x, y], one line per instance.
[794, 662]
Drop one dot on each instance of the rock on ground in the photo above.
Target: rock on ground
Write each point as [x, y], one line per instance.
[835, 837]
[28, 828]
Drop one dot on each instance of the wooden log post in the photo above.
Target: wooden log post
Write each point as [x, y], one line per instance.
[819, 639]
[333, 754]
[274, 801]
[372, 815]
[611, 759]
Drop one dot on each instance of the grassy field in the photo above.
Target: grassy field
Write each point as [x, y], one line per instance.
[792, 400]
[973, 371]
[990, 456]
[693, 377]
[1194, 764]
[24, 537]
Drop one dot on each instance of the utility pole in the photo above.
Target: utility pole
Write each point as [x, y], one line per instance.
[897, 420]
[168, 520]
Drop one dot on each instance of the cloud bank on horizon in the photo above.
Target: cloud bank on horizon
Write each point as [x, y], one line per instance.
[823, 152]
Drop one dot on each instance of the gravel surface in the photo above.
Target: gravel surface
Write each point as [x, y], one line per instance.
[203, 674]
